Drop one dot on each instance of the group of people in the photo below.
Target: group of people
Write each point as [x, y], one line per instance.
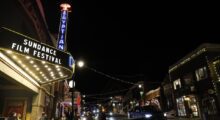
[14, 116]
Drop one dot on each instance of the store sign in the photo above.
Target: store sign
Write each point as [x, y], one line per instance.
[62, 31]
[16, 42]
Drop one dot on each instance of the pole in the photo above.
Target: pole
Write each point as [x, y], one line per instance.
[72, 115]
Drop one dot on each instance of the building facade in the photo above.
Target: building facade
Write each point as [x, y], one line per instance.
[29, 64]
[167, 95]
[196, 83]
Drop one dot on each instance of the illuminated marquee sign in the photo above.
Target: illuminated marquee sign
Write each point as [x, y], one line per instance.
[11, 40]
[62, 31]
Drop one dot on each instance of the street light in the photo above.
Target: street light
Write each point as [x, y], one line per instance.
[72, 86]
[80, 64]
[140, 86]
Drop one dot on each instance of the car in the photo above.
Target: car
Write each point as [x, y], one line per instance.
[170, 114]
[146, 113]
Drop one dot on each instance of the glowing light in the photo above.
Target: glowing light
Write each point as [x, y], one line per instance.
[58, 69]
[31, 61]
[19, 61]
[15, 57]
[9, 51]
[80, 64]
[140, 86]
[23, 65]
[65, 7]
[62, 31]
[51, 72]
[27, 57]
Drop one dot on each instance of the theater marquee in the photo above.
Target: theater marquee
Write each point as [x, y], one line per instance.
[23, 46]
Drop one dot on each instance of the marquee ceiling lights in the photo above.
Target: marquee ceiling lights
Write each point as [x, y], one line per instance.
[40, 71]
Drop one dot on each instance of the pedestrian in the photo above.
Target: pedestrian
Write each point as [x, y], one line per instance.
[12, 116]
[190, 113]
[43, 116]
[89, 116]
[102, 116]
[18, 116]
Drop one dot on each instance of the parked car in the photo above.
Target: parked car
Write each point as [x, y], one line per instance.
[146, 113]
[170, 114]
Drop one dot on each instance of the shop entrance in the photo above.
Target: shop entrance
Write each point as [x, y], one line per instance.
[188, 106]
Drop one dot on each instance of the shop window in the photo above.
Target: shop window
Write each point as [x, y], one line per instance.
[191, 106]
[177, 84]
[180, 107]
[209, 106]
[201, 73]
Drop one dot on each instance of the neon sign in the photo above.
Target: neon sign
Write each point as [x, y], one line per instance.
[62, 31]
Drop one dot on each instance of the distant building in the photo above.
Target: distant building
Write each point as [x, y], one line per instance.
[195, 79]
[134, 96]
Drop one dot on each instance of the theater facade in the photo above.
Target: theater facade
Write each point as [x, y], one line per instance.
[29, 64]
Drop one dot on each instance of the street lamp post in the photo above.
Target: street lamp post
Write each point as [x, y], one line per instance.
[140, 86]
[72, 85]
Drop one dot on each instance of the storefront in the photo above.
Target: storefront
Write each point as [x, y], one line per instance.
[187, 106]
[28, 70]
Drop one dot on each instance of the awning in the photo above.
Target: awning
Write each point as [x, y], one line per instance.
[39, 62]
[153, 94]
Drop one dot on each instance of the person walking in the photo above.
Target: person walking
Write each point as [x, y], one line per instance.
[12, 116]
[18, 116]
[43, 116]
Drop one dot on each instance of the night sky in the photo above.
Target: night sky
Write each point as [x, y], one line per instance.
[132, 40]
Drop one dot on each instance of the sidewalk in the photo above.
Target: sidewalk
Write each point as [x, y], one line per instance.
[184, 119]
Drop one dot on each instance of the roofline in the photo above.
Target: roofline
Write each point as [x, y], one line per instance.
[198, 51]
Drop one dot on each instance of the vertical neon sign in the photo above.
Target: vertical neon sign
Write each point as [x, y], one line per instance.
[61, 42]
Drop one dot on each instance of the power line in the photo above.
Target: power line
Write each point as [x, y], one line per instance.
[107, 93]
[108, 76]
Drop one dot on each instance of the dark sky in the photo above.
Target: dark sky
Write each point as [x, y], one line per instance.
[132, 40]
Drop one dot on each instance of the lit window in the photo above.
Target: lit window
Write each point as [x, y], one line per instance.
[181, 107]
[177, 84]
[201, 73]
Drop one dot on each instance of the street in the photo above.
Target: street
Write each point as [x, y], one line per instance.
[117, 117]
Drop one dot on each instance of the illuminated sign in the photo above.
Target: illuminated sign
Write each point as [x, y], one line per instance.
[71, 61]
[11, 40]
[62, 30]
[38, 50]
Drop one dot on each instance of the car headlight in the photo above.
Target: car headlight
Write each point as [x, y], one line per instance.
[110, 113]
[84, 118]
[148, 115]
[164, 114]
